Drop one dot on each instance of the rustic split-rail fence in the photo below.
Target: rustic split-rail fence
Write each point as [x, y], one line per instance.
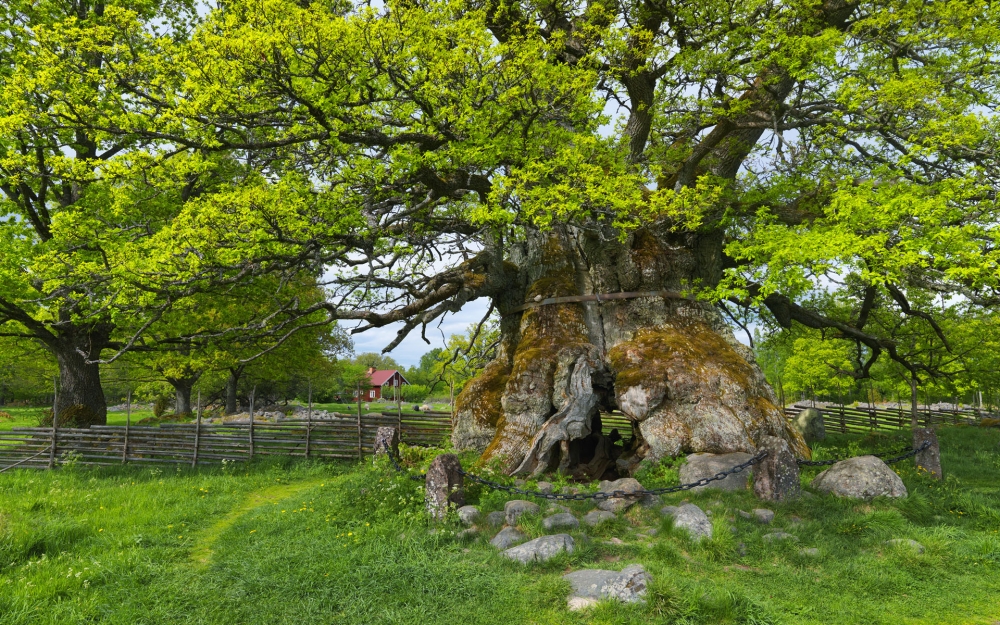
[844, 419]
[349, 438]
[203, 443]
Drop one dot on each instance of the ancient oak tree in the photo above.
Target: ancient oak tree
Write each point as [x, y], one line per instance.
[677, 156]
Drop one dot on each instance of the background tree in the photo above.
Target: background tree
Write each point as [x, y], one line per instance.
[378, 361]
[27, 371]
[79, 196]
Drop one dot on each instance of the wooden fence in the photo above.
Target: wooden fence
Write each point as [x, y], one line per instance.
[839, 418]
[193, 443]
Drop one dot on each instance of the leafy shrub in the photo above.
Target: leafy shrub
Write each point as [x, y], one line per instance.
[160, 405]
[415, 392]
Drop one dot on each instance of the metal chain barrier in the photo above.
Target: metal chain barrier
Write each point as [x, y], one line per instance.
[906, 453]
[617, 494]
[417, 478]
[912, 452]
[599, 496]
[620, 494]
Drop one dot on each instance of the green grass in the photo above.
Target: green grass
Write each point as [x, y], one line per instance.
[29, 416]
[307, 542]
[378, 407]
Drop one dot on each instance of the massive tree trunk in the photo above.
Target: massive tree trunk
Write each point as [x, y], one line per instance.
[80, 401]
[182, 392]
[232, 384]
[670, 364]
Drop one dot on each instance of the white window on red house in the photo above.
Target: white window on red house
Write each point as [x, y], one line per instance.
[371, 394]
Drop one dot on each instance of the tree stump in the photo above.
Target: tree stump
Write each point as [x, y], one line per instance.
[444, 486]
[930, 458]
[387, 437]
[776, 477]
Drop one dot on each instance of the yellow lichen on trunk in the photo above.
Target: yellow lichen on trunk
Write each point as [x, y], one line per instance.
[691, 390]
[546, 331]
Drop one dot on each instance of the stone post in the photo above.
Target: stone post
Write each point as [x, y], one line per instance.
[444, 486]
[386, 436]
[776, 477]
[930, 458]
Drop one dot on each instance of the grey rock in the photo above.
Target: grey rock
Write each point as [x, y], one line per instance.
[691, 518]
[763, 515]
[669, 510]
[469, 515]
[628, 585]
[496, 518]
[519, 482]
[575, 604]
[514, 509]
[618, 504]
[508, 536]
[614, 540]
[467, 534]
[908, 543]
[810, 425]
[650, 501]
[929, 459]
[561, 520]
[652, 531]
[556, 509]
[545, 487]
[443, 486]
[863, 477]
[700, 466]
[741, 550]
[776, 536]
[541, 549]
[744, 514]
[812, 552]
[386, 437]
[776, 477]
[596, 517]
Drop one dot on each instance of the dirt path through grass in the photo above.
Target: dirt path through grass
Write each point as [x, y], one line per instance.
[201, 552]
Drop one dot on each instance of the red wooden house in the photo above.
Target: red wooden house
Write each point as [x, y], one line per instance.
[382, 383]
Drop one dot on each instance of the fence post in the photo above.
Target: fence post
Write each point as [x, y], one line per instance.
[128, 422]
[399, 409]
[252, 393]
[843, 422]
[359, 421]
[55, 422]
[309, 418]
[197, 432]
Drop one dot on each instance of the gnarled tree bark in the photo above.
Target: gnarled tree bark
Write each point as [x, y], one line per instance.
[672, 366]
[81, 400]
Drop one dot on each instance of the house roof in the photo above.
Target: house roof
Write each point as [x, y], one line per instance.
[381, 377]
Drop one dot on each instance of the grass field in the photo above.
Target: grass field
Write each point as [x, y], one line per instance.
[29, 416]
[307, 542]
